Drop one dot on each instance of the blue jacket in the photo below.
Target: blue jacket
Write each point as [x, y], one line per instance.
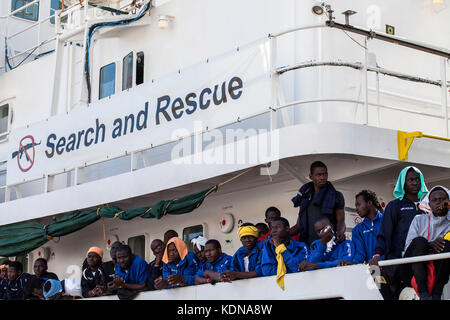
[364, 238]
[200, 264]
[222, 264]
[328, 198]
[137, 272]
[254, 263]
[339, 252]
[3, 286]
[186, 267]
[294, 254]
[394, 227]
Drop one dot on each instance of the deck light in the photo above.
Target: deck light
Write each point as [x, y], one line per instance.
[438, 2]
[163, 21]
[347, 14]
[318, 8]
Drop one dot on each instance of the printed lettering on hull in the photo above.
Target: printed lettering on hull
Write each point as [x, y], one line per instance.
[216, 92]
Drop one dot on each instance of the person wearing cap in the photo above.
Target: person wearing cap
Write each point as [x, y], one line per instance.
[131, 271]
[217, 262]
[67, 289]
[397, 218]
[93, 282]
[179, 267]
[199, 250]
[246, 262]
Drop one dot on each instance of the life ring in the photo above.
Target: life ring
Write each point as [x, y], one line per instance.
[226, 222]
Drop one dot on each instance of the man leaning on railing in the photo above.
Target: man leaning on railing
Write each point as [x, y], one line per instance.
[427, 234]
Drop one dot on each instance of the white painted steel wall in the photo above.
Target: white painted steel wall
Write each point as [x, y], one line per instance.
[202, 29]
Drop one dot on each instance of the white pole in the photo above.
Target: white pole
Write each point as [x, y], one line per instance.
[444, 95]
[429, 257]
[366, 89]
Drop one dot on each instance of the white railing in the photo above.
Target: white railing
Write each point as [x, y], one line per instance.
[430, 257]
[38, 24]
[272, 110]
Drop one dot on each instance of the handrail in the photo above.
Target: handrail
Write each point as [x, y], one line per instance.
[357, 66]
[405, 139]
[429, 257]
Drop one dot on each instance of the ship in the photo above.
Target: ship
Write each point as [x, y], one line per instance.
[111, 108]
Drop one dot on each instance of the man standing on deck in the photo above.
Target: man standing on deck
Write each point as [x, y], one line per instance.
[397, 218]
[318, 199]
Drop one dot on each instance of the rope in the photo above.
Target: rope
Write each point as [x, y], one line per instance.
[146, 211]
[104, 232]
[235, 177]
[118, 213]
[268, 172]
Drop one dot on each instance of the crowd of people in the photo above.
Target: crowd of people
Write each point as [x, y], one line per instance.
[416, 223]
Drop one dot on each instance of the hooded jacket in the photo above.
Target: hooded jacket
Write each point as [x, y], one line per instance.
[89, 281]
[428, 226]
[397, 218]
[364, 238]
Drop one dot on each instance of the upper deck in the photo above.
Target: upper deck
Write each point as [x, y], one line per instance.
[273, 70]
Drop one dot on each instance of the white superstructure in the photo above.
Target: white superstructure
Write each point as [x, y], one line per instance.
[296, 90]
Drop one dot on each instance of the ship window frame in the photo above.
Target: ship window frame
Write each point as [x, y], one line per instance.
[31, 13]
[4, 134]
[125, 77]
[138, 237]
[187, 235]
[140, 64]
[102, 78]
[3, 171]
[24, 259]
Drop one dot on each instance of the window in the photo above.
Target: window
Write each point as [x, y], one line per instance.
[190, 233]
[107, 80]
[4, 121]
[23, 259]
[30, 13]
[127, 71]
[139, 68]
[137, 245]
[55, 5]
[2, 181]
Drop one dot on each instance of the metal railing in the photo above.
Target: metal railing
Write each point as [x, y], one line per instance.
[399, 261]
[38, 24]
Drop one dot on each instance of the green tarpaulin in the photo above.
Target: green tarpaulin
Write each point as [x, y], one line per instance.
[23, 237]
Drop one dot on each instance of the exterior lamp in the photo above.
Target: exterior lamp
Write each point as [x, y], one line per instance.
[163, 21]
